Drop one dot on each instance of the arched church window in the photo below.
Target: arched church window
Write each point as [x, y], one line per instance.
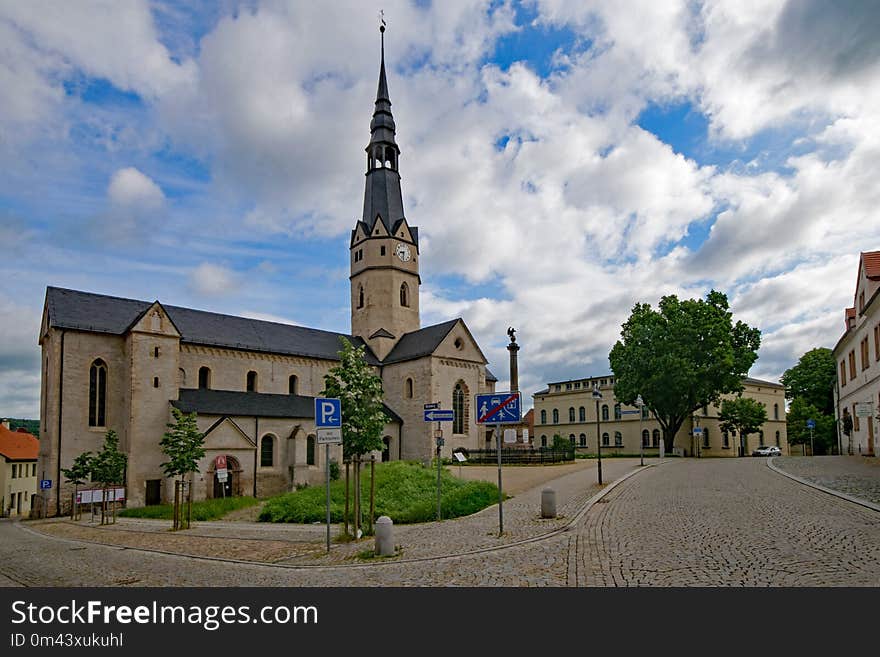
[459, 408]
[291, 384]
[404, 295]
[204, 378]
[409, 388]
[251, 381]
[98, 393]
[267, 451]
[360, 296]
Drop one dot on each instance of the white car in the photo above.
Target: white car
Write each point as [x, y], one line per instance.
[767, 450]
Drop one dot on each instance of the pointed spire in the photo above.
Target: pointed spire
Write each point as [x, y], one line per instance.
[382, 92]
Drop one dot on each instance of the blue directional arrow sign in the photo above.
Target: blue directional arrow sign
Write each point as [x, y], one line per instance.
[328, 412]
[499, 408]
[439, 415]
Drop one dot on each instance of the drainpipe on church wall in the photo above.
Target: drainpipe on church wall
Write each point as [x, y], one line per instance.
[256, 450]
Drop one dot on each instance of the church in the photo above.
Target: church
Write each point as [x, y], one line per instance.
[122, 364]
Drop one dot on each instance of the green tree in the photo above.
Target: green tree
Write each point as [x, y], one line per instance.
[183, 444]
[359, 390]
[77, 474]
[799, 412]
[108, 469]
[812, 380]
[681, 357]
[744, 415]
[561, 443]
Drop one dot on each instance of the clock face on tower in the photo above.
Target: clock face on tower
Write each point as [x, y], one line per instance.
[402, 251]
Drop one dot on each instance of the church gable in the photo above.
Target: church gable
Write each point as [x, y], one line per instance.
[360, 233]
[402, 231]
[460, 344]
[226, 434]
[379, 229]
[155, 320]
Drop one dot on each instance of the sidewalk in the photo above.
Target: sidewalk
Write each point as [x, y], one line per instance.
[305, 545]
[855, 476]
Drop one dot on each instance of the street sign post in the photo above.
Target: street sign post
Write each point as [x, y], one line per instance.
[499, 408]
[428, 407]
[328, 425]
[45, 484]
[433, 413]
[811, 424]
[439, 415]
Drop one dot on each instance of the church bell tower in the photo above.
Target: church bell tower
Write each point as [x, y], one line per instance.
[384, 247]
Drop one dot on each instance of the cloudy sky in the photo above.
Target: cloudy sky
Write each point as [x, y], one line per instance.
[562, 159]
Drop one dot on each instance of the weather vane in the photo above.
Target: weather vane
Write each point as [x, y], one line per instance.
[381, 20]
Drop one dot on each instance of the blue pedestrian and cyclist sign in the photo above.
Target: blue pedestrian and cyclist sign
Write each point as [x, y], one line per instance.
[499, 408]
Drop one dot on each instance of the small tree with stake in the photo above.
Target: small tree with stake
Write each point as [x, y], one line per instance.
[742, 414]
[108, 468]
[359, 389]
[78, 474]
[183, 445]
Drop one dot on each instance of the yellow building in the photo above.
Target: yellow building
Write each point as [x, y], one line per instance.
[18, 471]
[568, 408]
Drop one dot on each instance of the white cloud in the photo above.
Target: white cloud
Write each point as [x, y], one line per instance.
[130, 188]
[213, 280]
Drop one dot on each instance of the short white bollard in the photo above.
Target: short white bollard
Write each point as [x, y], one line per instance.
[548, 503]
[384, 536]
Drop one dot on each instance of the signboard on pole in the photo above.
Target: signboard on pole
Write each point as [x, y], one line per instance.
[222, 474]
[428, 407]
[220, 462]
[698, 431]
[439, 415]
[811, 424]
[499, 408]
[328, 412]
[510, 435]
[45, 484]
[329, 436]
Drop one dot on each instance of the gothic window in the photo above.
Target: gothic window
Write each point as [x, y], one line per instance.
[543, 416]
[204, 378]
[409, 388]
[582, 414]
[571, 414]
[291, 384]
[360, 296]
[604, 411]
[251, 381]
[555, 416]
[267, 451]
[98, 394]
[460, 408]
[310, 450]
[605, 439]
[404, 295]
[583, 440]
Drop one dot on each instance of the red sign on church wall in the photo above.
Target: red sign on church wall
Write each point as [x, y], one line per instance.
[220, 462]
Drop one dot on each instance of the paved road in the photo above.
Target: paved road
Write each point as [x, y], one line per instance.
[687, 522]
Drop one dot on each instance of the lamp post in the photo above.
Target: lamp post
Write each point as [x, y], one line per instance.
[597, 396]
[639, 404]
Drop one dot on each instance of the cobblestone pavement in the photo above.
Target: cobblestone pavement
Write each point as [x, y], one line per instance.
[858, 476]
[730, 522]
[687, 522]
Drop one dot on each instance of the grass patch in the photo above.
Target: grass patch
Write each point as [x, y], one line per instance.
[406, 492]
[203, 510]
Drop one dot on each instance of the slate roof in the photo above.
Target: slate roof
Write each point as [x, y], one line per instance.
[99, 313]
[18, 445]
[419, 343]
[251, 404]
[490, 376]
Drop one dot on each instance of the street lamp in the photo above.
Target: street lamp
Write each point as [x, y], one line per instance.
[597, 396]
[639, 404]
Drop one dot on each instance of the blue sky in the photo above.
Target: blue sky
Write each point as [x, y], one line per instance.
[562, 161]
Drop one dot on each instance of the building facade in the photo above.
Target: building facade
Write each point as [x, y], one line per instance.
[568, 408]
[122, 364]
[857, 354]
[18, 471]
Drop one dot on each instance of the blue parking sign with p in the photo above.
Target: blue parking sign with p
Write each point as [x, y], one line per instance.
[328, 412]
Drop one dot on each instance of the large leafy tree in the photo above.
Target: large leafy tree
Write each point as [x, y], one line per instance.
[812, 380]
[744, 415]
[682, 356]
[360, 392]
[183, 444]
[799, 412]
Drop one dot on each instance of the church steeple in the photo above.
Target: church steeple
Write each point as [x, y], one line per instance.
[384, 247]
[382, 195]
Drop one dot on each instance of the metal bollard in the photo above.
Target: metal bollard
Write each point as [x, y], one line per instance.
[384, 536]
[548, 503]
